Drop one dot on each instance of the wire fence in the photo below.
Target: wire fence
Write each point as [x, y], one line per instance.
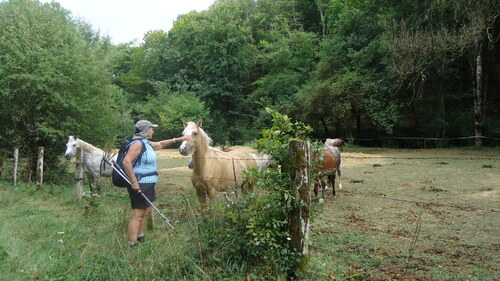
[419, 142]
[99, 156]
[420, 203]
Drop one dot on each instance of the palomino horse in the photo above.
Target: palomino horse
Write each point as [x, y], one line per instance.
[215, 170]
[329, 166]
[93, 164]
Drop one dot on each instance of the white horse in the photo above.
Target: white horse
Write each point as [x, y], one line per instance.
[93, 163]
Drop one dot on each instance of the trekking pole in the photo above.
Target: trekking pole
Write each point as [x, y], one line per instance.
[122, 173]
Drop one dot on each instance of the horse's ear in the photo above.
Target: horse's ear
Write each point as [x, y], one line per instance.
[185, 123]
[199, 123]
[75, 137]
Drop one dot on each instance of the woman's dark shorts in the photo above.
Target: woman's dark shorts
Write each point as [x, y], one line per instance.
[137, 201]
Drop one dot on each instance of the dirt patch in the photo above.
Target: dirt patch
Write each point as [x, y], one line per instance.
[185, 168]
[487, 194]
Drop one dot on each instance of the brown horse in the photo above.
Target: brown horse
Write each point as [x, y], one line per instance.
[329, 165]
[215, 170]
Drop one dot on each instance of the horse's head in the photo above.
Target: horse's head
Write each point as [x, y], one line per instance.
[335, 143]
[71, 147]
[197, 135]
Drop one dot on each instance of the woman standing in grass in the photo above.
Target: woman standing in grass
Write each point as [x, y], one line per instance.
[142, 172]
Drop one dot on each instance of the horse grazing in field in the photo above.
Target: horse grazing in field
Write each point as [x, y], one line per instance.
[93, 163]
[215, 170]
[328, 166]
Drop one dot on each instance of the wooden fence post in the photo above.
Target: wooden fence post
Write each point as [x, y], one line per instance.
[299, 216]
[14, 169]
[39, 167]
[79, 173]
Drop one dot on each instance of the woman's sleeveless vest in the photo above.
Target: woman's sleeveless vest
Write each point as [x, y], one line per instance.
[145, 169]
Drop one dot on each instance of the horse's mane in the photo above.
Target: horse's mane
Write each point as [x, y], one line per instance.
[208, 140]
[87, 146]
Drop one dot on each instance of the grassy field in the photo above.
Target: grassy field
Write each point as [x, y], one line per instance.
[402, 215]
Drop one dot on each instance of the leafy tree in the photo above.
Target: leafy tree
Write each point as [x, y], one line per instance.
[211, 54]
[168, 109]
[442, 38]
[285, 61]
[53, 82]
[350, 86]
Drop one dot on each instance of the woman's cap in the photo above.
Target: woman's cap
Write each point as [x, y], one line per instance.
[142, 129]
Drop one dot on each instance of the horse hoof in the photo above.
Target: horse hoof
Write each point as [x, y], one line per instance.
[321, 200]
[340, 186]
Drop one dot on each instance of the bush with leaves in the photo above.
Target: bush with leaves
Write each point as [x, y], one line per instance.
[252, 229]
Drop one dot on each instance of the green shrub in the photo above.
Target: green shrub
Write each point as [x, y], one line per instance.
[251, 231]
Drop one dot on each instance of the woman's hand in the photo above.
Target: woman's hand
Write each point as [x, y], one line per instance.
[136, 187]
[183, 138]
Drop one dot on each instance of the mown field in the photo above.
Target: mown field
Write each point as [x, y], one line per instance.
[401, 215]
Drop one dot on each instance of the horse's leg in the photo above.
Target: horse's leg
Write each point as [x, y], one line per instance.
[339, 173]
[97, 182]
[331, 178]
[90, 178]
[212, 194]
[324, 185]
[200, 193]
[316, 189]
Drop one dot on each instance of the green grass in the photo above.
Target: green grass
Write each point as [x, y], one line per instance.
[364, 234]
[93, 246]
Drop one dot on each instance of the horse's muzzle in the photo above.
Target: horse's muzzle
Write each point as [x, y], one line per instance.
[183, 151]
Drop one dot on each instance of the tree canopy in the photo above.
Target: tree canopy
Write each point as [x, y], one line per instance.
[348, 68]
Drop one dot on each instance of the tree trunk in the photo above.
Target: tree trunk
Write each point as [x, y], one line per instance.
[14, 169]
[441, 130]
[39, 167]
[327, 133]
[478, 96]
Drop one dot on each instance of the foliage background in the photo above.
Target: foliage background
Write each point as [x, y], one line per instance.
[352, 69]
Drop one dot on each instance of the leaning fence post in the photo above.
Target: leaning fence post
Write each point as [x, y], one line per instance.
[39, 167]
[14, 169]
[79, 173]
[299, 216]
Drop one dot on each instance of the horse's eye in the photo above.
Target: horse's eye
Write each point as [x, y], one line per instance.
[194, 134]
[74, 145]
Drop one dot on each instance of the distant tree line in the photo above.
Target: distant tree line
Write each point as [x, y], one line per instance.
[354, 68]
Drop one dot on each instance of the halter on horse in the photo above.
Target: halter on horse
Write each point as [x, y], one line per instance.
[215, 170]
[93, 164]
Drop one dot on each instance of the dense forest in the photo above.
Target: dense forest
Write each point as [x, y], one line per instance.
[353, 69]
